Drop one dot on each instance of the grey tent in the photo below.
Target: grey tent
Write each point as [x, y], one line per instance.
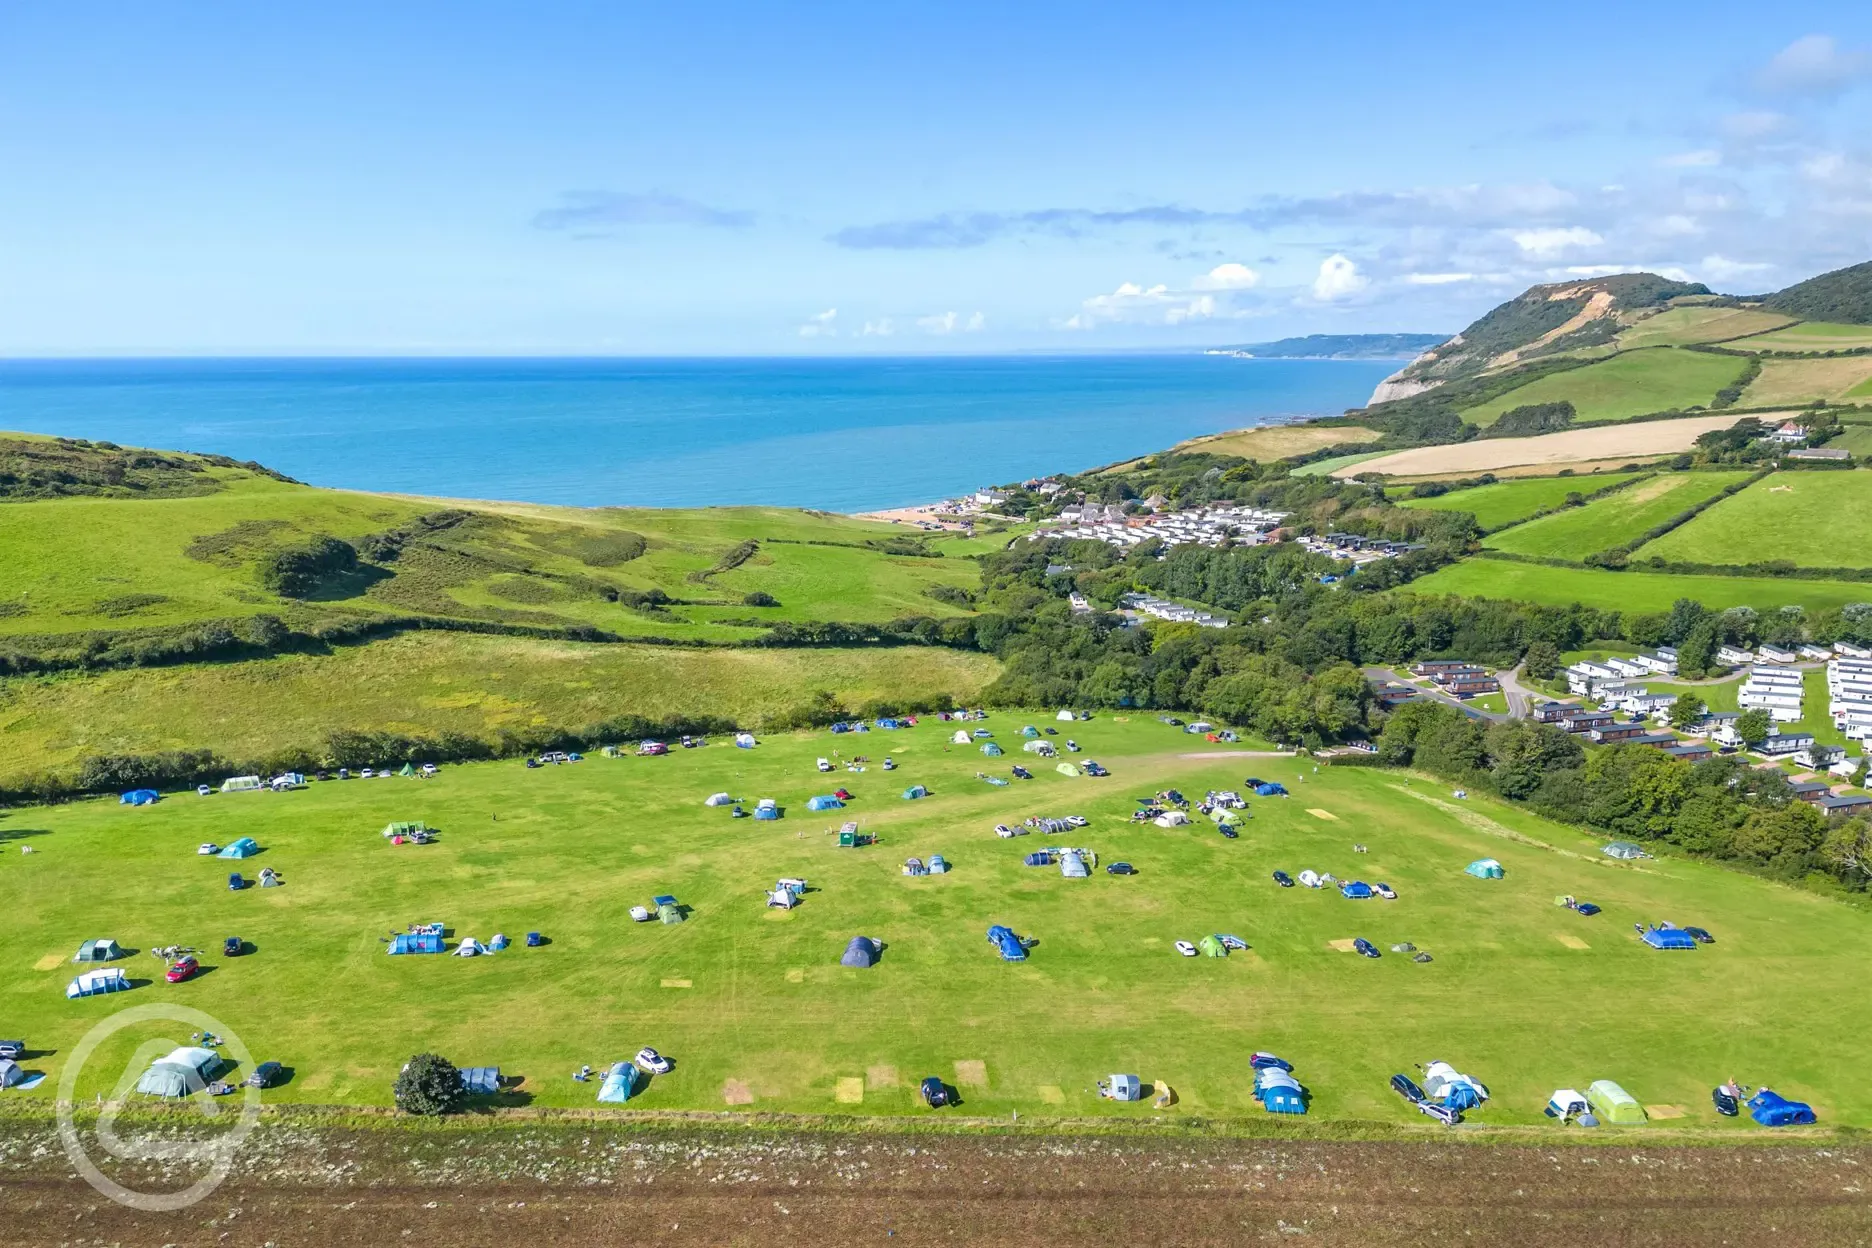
[861, 952]
[103, 950]
[481, 1080]
[1624, 850]
[10, 1073]
[184, 1072]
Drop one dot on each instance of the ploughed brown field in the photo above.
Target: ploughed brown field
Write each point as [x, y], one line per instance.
[570, 1183]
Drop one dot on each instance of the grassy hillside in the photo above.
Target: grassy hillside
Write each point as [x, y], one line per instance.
[1799, 382]
[1507, 501]
[1809, 336]
[1274, 442]
[1811, 519]
[755, 1010]
[1633, 383]
[1615, 520]
[1632, 591]
[1842, 295]
[1695, 323]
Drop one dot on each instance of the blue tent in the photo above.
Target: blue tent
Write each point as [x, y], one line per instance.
[915, 791]
[1283, 1100]
[1270, 789]
[246, 847]
[1358, 890]
[1007, 943]
[1040, 858]
[991, 750]
[862, 952]
[416, 942]
[1771, 1109]
[140, 797]
[1461, 1096]
[1667, 938]
[826, 802]
[766, 812]
[481, 1080]
[1485, 869]
[620, 1083]
[1030, 731]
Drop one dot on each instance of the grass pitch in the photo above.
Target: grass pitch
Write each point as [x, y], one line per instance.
[1614, 520]
[1272, 442]
[1810, 519]
[1632, 383]
[756, 1011]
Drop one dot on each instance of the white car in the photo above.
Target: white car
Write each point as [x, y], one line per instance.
[367, 773]
[640, 914]
[1077, 821]
[1185, 948]
[207, 849]
[204, 791]
[825, 765]
[652, 1062]
[1385, 891]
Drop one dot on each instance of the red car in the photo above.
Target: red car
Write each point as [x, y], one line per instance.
[181, 969]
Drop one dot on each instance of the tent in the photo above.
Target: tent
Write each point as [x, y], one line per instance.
[1624, 850]
[102, 950]
[1040, 747]
[669, 912]
[744, 740]
[1072, 866]
[409, 769]
[480, 1080]
[1566, 1103]
[1124, 1088]
[767, 812]
[1667, 938]
[1485, 869]
[1067, 769]
[246, 847]
[961, 737]
[825, 802]
[241, 784]
[1357, 890]
[620, 1083]
[718, 799]
[915, 791]
[1212, 947]
[1171, 819]
[184, 1072]
[1066, 717]
[416, 942]
[1270, 789]
[98, 982]
[1771, 1109]
[862, 952]
[991, 749]
[1030, 731]
[1614, 1104]
[1007, 943]
[403, 828]
[10, 1073]
[140, 797]
[1281, 1099]
[470, 948]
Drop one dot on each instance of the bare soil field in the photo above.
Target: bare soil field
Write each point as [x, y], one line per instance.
[1654, 437]
[591, 1183]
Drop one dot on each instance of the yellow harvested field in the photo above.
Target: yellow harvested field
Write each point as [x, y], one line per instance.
[1273, 442]
[1651, 437]
[1804, 381]
[1572, 942]
[1348, 945]
[1583, 469]
[849, 1091]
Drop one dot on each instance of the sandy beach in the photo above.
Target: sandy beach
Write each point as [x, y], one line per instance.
[938, 515]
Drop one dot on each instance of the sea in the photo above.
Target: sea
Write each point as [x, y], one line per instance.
[843, 435]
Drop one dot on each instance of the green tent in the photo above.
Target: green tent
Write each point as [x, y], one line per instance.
[1212, 947]
[99, 951]
[405, 829]
[1614, 1104]
[1067, 769]
[669, 913]
[409, 769]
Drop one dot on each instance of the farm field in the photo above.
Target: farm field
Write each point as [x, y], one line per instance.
[1792, 516]
[428, 683]
[1615, 519]
[1631, 590]
[1682, 326]
[1338, 465]
[1574, 446]
[1807, 381]
[1811, 336]
[1508, 501]
[757, 1013]
[1632, 383]
[1273, 442]
[1856, 438]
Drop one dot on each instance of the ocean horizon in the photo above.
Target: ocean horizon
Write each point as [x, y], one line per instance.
[837, 434]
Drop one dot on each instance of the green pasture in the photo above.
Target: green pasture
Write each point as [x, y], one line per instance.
[1811, 336]
[1505, 502]
[1614, 520]
[1326, 467]
[1681, 326]
[1812, 519]
[757, 1013]
[1632, 383]
[1629, 590]
[429, 683]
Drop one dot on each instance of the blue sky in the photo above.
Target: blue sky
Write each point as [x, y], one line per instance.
[836, 178]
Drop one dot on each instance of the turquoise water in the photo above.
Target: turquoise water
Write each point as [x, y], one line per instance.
[843, 435]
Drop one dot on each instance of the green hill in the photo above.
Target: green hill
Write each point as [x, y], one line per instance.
[1843, 296]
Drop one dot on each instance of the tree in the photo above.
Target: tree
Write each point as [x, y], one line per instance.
[1848, 850]
[1696, 652]
[1753, 726]
[429, 1085]
[1542, 660]
[1522, 753]
[1686, 710]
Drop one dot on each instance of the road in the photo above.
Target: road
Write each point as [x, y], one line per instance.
[1387, 675]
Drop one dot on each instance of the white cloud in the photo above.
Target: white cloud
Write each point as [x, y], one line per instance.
[1814, 65]
[820, 325]
[1702, 158]
[1676, 225]
[1157, 305]
[880, 328]
[1722, 269]
[951, 323]
[1338, 278]
[1230, 276]
[1547, 243]
[1437, 279]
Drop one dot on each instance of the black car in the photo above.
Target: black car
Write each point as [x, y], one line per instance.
[1283, 879]
[1120, 868]
[1586, 908]
[1093, 769]
[1226, 830]
[1725, 1104]
[1052, 732]
[935, 1095]
[1407, 1088]
[1366, 948]
[1699, 935]
[233, 947]
[265, 1075]
[1021, 773]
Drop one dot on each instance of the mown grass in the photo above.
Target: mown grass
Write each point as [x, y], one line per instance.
[1615, 520]
[428, 683]
[1507, 501]
[1677, 327]
[1811, 519]
[1325, 467]
[1631, 591]
[1811, 336]
[1632, 383]
[743, 999]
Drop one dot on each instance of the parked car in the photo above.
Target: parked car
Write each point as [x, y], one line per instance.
[1094, 769]
[1283, 879]
[652, 1062]
[1185, 948]
[12, 1050]
[1227, 831]
[1586, 908]
[265, 1075]
[1407, 1088]
[233, 947]
[935, 1094]
[182, 968]
[1442, 1113]
[203, 790]
[1120, 868]
[207, 849]
[1725, 1104]
[1021, 773]
[1366, 948]
[1699, 935]
[1385, 891]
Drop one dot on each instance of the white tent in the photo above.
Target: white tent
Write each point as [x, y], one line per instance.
[469, 948]
[92, 983]
[744, 739]
[1310, 878]
[718, 799]
[1566, 1103]
[1440, 1077]
[1171, 819]
[782, 899]
[1067, 716]
[961, 737]
[184, 1072]
[10, 1073]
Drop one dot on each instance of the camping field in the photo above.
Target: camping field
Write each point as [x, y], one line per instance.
[1614, 520]
[1793, 516]
[1629, 590]
[758, 1014]
[1505, 502]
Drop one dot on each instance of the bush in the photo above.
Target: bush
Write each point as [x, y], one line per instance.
[1533, 418]
[429, 1085]
[299, 571]
[760, 598]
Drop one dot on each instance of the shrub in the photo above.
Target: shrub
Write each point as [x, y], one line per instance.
[760, 598]
[429, 1085]
[299, 571]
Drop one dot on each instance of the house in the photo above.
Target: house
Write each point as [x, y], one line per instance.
[1649, 703]
[1822, 454]
[1845, 807]
[1784, 744]
[1430, 667]
[1809, 790]
[1630, 668]
[989, 498]
[1656, 740]
[1789, 434]
[1690, 751]
[1820, 654]
[1732, 656]
[1851, 650]
[1585, 677]
[1776, 654]
[1586, 721]
[1612, 734]
[1661, 663]
[1713, 723]
[1819, 757]
[1471, 688]
[1553, 712]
